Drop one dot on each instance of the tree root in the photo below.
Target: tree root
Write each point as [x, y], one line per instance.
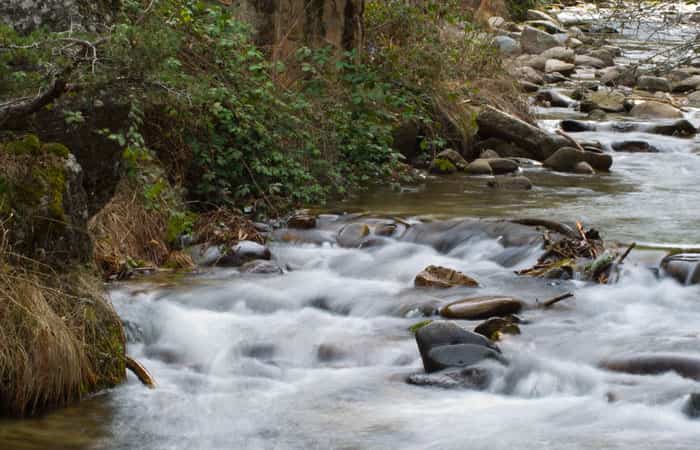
[141, 373]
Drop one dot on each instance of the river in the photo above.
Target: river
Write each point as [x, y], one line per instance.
[317, 358]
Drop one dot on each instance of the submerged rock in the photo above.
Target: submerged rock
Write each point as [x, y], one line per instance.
[352, 235]
[655, 364]
[494, 327]
[468, 378]
[442, 334]
[479, 167]
[566, 159]
[519, 183]
[218, 255]
[461, 355]
[261, 267]
[634, 147]
[684, 267]
[443, 278]
[481, 308]
[692, 406]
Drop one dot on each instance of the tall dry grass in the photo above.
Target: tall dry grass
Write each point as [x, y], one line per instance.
[59, 338]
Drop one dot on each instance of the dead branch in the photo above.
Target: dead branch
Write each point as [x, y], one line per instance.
[553, 301]
[143, 375]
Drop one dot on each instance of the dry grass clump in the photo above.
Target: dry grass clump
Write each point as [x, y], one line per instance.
[225, 227]
[127, 233]
[59, 338]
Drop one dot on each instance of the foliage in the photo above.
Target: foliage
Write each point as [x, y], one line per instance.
[518, 8]
[204, 95]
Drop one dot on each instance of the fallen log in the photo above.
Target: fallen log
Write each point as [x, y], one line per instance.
[141, 373]
[553, 301]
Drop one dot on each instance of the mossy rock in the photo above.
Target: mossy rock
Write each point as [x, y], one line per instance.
[41, 189]
[28, 145]
[442, 166]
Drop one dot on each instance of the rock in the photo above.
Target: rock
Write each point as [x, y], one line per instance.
[692, 406]
[566, 159]
[583, 168]
[538, 143]
[555, 99]
[503, 148]
[443, 278]
[352, 235]
[442, 166]
[302, 220]
[688, 84]
[533, 14]
[575, 126]
[597, 114]
[589, 61]
[610, 75]
[605, 55]
[634, 147]
[676, 128]
[501, 166]
[608, 101]
[684, 267]
[694, 99]
[546, 25]
[526, 86]
[468, 378]
[507, 45]
[574, 43]
[534, 41]
[655, 110]
[554, 65]
[479, 167]
[496, 22]
[489, 154]
[555, 78]
[519, 183]
[525, 73]
[682, 73]
[561, 53]
[494, 327]
[461, 355]
[386, 229]
[481, 308]
[655, 364]
[442, 333]
[217, 255]
[653, 84]
[261, 267]
[454, 157]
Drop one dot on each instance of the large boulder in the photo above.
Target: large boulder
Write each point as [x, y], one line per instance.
[534, 41]
[684, 267]
[539, 144]
[481, 308]
[443, 334]
[566, 159]
[655, 110]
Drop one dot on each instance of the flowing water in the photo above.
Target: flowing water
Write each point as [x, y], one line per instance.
[317, 358]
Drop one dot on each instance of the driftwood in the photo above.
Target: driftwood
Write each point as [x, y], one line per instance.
[553, 301]
[141, 373]
[549, 224]
[627, 252]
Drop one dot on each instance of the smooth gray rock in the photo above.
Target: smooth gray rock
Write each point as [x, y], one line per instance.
[535, 41]
[442, 333]
[653, 84]
[684, 267]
